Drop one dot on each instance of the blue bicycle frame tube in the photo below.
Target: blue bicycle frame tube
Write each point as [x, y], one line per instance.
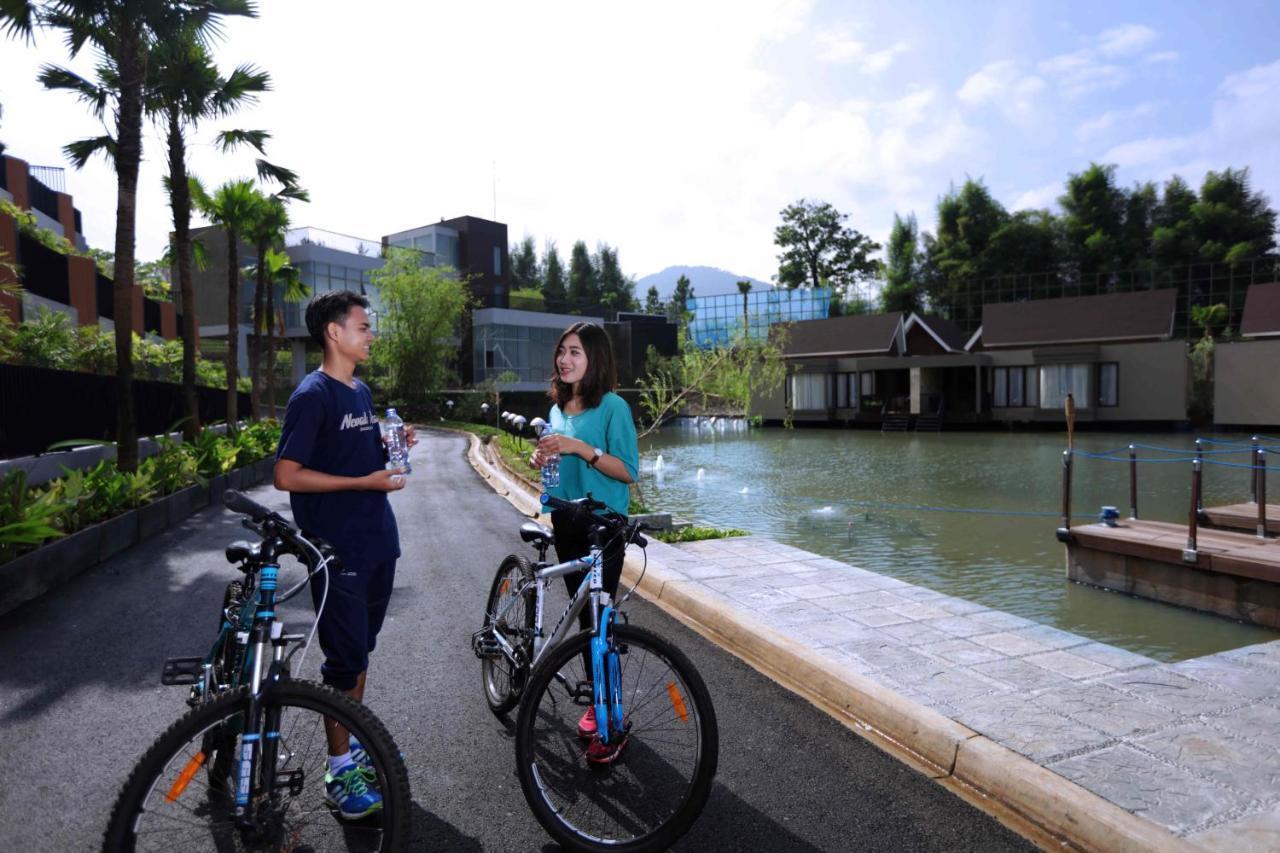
[606, 687]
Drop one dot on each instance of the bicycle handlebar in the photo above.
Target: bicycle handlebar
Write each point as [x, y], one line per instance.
[589, 508]
[266, 523]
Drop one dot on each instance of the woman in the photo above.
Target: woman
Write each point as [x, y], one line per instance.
[596, 438]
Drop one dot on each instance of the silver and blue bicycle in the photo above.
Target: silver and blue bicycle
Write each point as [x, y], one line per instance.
[635, 779]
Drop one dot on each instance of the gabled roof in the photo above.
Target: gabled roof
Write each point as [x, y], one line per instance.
[947, 334]
[864, 334]
[1145, 315]
[1261, 311]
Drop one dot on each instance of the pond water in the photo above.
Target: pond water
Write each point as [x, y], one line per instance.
[970, 514]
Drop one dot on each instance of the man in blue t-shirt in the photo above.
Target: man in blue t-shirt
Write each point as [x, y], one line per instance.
[332, 462]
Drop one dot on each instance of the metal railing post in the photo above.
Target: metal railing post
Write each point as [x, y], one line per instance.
[1189, 554]
[1199, 506]
[1253, 479]
[1260, 483]
[1133, 482]
[1064, 532]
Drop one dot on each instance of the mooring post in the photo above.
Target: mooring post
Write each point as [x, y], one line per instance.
[1064, 532]
[1199, 464]
[1189, 554]
[1133, 482]
[1253, 479]
[1260, 483]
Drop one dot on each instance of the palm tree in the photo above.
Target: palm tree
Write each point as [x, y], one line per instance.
[744, 287]
[265, 232]
[280, 271]
[186, 88]
[123, 32]
[234, 206]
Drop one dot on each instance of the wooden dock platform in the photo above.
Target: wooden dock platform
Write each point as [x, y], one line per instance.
[1242, 517]
[1231, 573]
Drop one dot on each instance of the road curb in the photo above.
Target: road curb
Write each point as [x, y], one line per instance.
[1006, 783]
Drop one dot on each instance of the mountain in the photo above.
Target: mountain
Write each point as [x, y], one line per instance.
[707, 281]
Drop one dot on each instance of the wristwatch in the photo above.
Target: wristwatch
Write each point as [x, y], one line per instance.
[596, 453]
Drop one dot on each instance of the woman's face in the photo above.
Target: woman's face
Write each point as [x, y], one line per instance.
[571, 360]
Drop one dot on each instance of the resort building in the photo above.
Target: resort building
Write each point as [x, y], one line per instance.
[1246, 392]
[1114, 353]
[67, 283]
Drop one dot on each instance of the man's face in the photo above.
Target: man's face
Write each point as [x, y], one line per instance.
[353, 336]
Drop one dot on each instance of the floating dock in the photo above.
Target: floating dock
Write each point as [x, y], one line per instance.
[1241, 517]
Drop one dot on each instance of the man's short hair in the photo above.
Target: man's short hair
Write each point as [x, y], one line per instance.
[331, 307]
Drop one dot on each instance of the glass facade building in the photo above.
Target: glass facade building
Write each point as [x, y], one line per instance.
[439, 245]
[521, 343]
[716, 319]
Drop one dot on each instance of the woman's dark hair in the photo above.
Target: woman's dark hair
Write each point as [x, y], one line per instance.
[331, 307]
[601, 376]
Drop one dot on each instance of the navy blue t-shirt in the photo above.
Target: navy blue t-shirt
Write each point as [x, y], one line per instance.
[332, 428]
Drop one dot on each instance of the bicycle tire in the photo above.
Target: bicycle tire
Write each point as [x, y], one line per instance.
[157, 810]
[653, 792]
[504, 682]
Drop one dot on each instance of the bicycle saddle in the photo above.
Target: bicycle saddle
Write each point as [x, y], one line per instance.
[532, 531]
[241, 550]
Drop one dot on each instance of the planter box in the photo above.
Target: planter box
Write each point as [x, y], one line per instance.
[184, 502]
[265, 468]
[118, 534]
[153, 518]
[47, 567]
[658, 520]
[235, 479]
[218, 484]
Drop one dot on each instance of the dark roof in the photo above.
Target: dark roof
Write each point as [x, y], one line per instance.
[1142, 315]
[1261, 310]
[864, 333]
[946, 331]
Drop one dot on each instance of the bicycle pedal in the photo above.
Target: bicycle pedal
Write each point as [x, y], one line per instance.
[182, 671]
[484, 645]
[291, 781]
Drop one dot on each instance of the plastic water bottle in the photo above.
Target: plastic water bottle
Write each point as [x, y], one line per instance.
[397, 444]
[551, 466]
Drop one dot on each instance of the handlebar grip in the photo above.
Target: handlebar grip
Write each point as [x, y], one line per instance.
[244, 505]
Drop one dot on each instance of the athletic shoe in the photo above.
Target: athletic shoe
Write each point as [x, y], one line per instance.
[347, 792]
[600, 752]
[587, 725]
[362, 760]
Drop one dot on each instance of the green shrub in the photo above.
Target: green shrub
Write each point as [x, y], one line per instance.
[27, 516]
[697, 534]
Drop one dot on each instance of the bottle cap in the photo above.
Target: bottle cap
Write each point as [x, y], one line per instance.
[391, 412]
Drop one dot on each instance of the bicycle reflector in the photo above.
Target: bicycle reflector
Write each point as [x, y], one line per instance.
[184, 778]
[677, 701]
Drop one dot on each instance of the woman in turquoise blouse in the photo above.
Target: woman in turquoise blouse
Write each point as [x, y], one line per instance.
[596, 438]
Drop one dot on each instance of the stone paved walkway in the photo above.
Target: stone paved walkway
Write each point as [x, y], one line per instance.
[1191, 746]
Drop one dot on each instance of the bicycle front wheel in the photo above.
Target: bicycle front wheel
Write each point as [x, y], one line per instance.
[656, 785]
[503, 680]
[167, 803]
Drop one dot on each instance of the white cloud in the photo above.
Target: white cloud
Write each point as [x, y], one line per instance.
[844, 50]
[1161, 56]
[1004, 85]
[1100, 124]
[1126, 39]
[1038, 198]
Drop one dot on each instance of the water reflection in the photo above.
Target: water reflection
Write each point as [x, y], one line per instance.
[896, 504]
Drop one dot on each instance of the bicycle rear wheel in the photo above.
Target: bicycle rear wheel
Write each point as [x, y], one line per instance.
[651, 794]
[503, 680]
[168, 804]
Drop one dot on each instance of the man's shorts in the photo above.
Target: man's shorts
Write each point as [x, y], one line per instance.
[352, 617]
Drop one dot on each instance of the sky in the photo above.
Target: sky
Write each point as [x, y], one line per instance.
[677, 132]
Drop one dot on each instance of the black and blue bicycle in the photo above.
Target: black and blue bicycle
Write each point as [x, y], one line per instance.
[616, 738]
[245, 768]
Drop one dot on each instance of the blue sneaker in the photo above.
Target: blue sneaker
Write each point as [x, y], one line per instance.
[362, 760]
[348, 792]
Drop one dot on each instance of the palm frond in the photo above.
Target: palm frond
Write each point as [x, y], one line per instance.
[96, 96]
[240, 87]
[19, 19]
[229, 140]
[81, 151]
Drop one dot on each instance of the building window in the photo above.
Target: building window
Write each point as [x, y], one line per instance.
[867, 380]
[809, 392]
[1109, 383]
[842, 391]
[1000, 387]
[1014, 387]
[1057, 380]
[497, 260]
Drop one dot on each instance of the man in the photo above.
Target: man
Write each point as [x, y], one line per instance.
[332, 462]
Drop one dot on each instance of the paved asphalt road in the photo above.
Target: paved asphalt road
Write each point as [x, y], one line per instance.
[80, 699]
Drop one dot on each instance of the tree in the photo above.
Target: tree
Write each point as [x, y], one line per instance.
[680, 297]
[1093, 223]
[1025, 246]
[280, 272]
[1173, 238]
[1136, 232]
[123, 33]
[423, 308]
[584, 283]
[744, 287]
[1232, 222]
[902, 288]
[616, 290]
[234, 206]
[818, 249]
[553, 283]
[652, 301]
[185, 88]
[956, 259]
[524, 266]
[266, 230]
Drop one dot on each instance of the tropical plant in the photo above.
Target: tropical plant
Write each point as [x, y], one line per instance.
[123, 33]
[234, 206]
[283, 274]
[27, 517]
